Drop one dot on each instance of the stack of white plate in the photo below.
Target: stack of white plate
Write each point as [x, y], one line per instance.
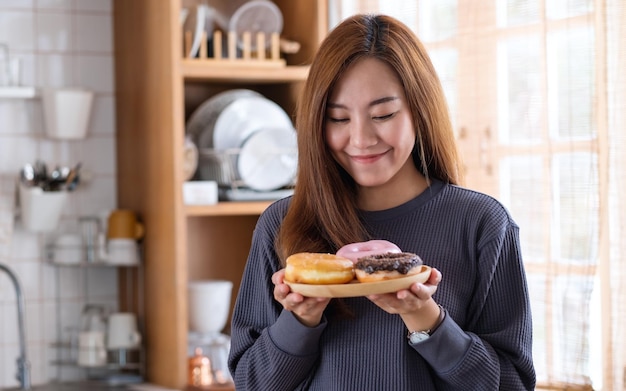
[244, 139]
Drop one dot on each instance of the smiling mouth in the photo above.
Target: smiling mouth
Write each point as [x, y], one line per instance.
[367, 158]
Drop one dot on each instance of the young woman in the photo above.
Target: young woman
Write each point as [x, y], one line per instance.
[377, 160]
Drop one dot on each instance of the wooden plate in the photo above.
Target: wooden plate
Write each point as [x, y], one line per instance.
[354, 289]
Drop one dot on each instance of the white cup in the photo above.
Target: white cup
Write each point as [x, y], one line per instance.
[67, 112]
[122, 251]
[68, 248]
[91, 350]
[122, 331]
[209, 305]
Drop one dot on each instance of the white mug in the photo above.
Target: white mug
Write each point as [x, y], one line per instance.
[209, 305]
[91, 350]
[122, 252]
[122, 331]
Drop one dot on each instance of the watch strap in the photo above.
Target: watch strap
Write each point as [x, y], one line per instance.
[442, 315]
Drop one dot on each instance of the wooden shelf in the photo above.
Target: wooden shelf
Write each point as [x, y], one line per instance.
[232, 208]
[235, 72]
[156, 91]
[18, 92]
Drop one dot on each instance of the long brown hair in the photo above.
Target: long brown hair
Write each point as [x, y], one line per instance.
[323, 214]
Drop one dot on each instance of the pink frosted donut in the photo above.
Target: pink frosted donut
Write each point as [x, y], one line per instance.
[354, 251]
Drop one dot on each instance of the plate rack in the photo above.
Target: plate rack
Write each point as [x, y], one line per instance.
[246, 56]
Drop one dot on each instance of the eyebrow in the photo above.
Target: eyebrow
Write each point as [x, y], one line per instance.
[375, 102]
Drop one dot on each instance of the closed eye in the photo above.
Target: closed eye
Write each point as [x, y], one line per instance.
[384, 117]
[337, 120]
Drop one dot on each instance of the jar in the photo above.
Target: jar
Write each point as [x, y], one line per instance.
[200, 370]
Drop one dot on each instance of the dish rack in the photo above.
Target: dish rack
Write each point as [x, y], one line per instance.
[247, 56]
[221, 166]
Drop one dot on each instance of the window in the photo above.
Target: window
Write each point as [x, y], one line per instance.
[537, 100]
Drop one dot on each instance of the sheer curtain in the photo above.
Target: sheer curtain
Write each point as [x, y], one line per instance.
[537, 93]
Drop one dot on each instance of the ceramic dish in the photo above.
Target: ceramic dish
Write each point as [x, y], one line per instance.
[243, 117]
[268, 159]
[257, 16]
[195, 21]
[202, 121]
[355, 289]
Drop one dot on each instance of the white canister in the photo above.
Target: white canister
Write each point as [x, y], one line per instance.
[122, 251]
[209, 305]
[41, 210]
[122, 331]
[67, 112]
[91, 349]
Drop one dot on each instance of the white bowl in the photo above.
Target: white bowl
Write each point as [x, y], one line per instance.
[209, 305]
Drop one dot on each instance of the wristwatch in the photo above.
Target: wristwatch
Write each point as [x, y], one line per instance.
[415, 337]
[418, 336]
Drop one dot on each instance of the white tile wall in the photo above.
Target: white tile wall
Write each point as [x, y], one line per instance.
[60, 43]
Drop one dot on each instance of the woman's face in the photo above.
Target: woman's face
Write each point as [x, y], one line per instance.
[368, 125]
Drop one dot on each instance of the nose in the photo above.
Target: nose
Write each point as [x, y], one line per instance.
[362, 134]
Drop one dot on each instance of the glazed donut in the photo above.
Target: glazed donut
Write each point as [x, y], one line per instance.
[318, 268]
[354, 251]
[387, 266]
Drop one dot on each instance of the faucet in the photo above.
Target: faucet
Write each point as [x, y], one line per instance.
[23, 366]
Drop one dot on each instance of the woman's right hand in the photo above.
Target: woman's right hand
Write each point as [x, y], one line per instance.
[308, 310]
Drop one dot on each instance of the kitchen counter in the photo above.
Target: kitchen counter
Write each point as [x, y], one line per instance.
[91, 386]
[100, 386]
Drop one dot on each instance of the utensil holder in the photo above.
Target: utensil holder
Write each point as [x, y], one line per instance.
[41, 210]
[67, 112]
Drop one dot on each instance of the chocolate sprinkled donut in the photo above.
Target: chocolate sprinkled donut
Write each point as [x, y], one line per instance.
[400, 262]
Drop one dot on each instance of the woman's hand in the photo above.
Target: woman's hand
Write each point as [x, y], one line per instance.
[308, 310]
[414, 305]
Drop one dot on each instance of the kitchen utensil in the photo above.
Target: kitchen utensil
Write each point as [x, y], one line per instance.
[245, 116]
[67, 112]
[209, 305]
[200, 193]
[91, 349]
[10, 68]
[68, 249]
[121, 251]
[268, 159]
[122, 331]
[123, 224]
[199, 370]
[90, 229]
[215, 347]
[356, 289]
[27, 175]
[202, 120]
[40, 210]
[257, 16]
[190, 158]
[196, 21]
[93, 318]
[72, 178]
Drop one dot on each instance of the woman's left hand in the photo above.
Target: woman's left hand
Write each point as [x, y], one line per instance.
[415, 305]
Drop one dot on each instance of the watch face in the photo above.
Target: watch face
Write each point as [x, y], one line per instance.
[418, 336]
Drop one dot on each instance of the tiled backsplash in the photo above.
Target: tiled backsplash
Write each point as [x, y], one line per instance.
[60, 43]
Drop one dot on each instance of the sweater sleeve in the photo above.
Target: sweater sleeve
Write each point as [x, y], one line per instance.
[494, 350]
[270, 349]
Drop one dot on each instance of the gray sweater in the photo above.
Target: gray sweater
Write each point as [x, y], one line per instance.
[484, 342]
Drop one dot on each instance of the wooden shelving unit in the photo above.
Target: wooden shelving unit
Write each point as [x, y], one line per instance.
[203, 71]
[228, 209]
[156, 90]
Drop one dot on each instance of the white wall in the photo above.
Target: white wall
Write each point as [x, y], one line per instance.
[61, 43]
